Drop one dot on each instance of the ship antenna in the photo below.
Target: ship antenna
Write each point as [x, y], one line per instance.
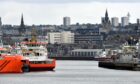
[1, 43]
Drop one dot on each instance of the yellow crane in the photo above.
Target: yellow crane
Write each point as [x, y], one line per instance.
[33, 35]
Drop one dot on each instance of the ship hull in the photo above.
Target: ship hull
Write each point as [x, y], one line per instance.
[43, 66]
[113, 65]
[10, 67]
[11, 64]
[102, 59]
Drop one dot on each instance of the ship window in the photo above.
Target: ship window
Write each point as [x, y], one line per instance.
[27, 53]
[30, 49]
[91, 53]
[36, 54]
[88, 53]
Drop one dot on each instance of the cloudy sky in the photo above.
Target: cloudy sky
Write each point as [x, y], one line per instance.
[52, 11]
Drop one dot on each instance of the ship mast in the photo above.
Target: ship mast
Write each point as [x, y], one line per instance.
[33, 35]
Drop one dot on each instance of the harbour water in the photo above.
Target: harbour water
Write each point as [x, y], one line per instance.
[74, 72]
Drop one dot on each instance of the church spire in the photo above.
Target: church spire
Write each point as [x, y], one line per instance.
[22, 21]
[22, 28]
[106, 16]
[106, 22]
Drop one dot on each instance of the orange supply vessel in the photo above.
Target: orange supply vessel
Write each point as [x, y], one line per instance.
[12, 63]
[37, 54]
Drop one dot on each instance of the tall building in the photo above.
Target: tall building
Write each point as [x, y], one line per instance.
[102, 20]
[106, 22]
[125, 21]
[138, 26]
[61, 37]
[115, 21]
[138, 21]
[66, 21]
[0, 22]
[0, 28]
[22, 28]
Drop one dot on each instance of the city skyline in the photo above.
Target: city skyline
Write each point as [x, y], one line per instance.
[53, 11]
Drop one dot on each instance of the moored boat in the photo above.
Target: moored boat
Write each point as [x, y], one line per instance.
[127, 57]
[37, 54]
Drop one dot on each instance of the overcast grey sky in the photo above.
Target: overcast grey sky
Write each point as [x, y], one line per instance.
[68, 1]
[52, 11]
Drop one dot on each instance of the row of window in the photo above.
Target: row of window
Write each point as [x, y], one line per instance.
[87, 54]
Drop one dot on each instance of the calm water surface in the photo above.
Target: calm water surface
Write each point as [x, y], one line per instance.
[74, 72]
